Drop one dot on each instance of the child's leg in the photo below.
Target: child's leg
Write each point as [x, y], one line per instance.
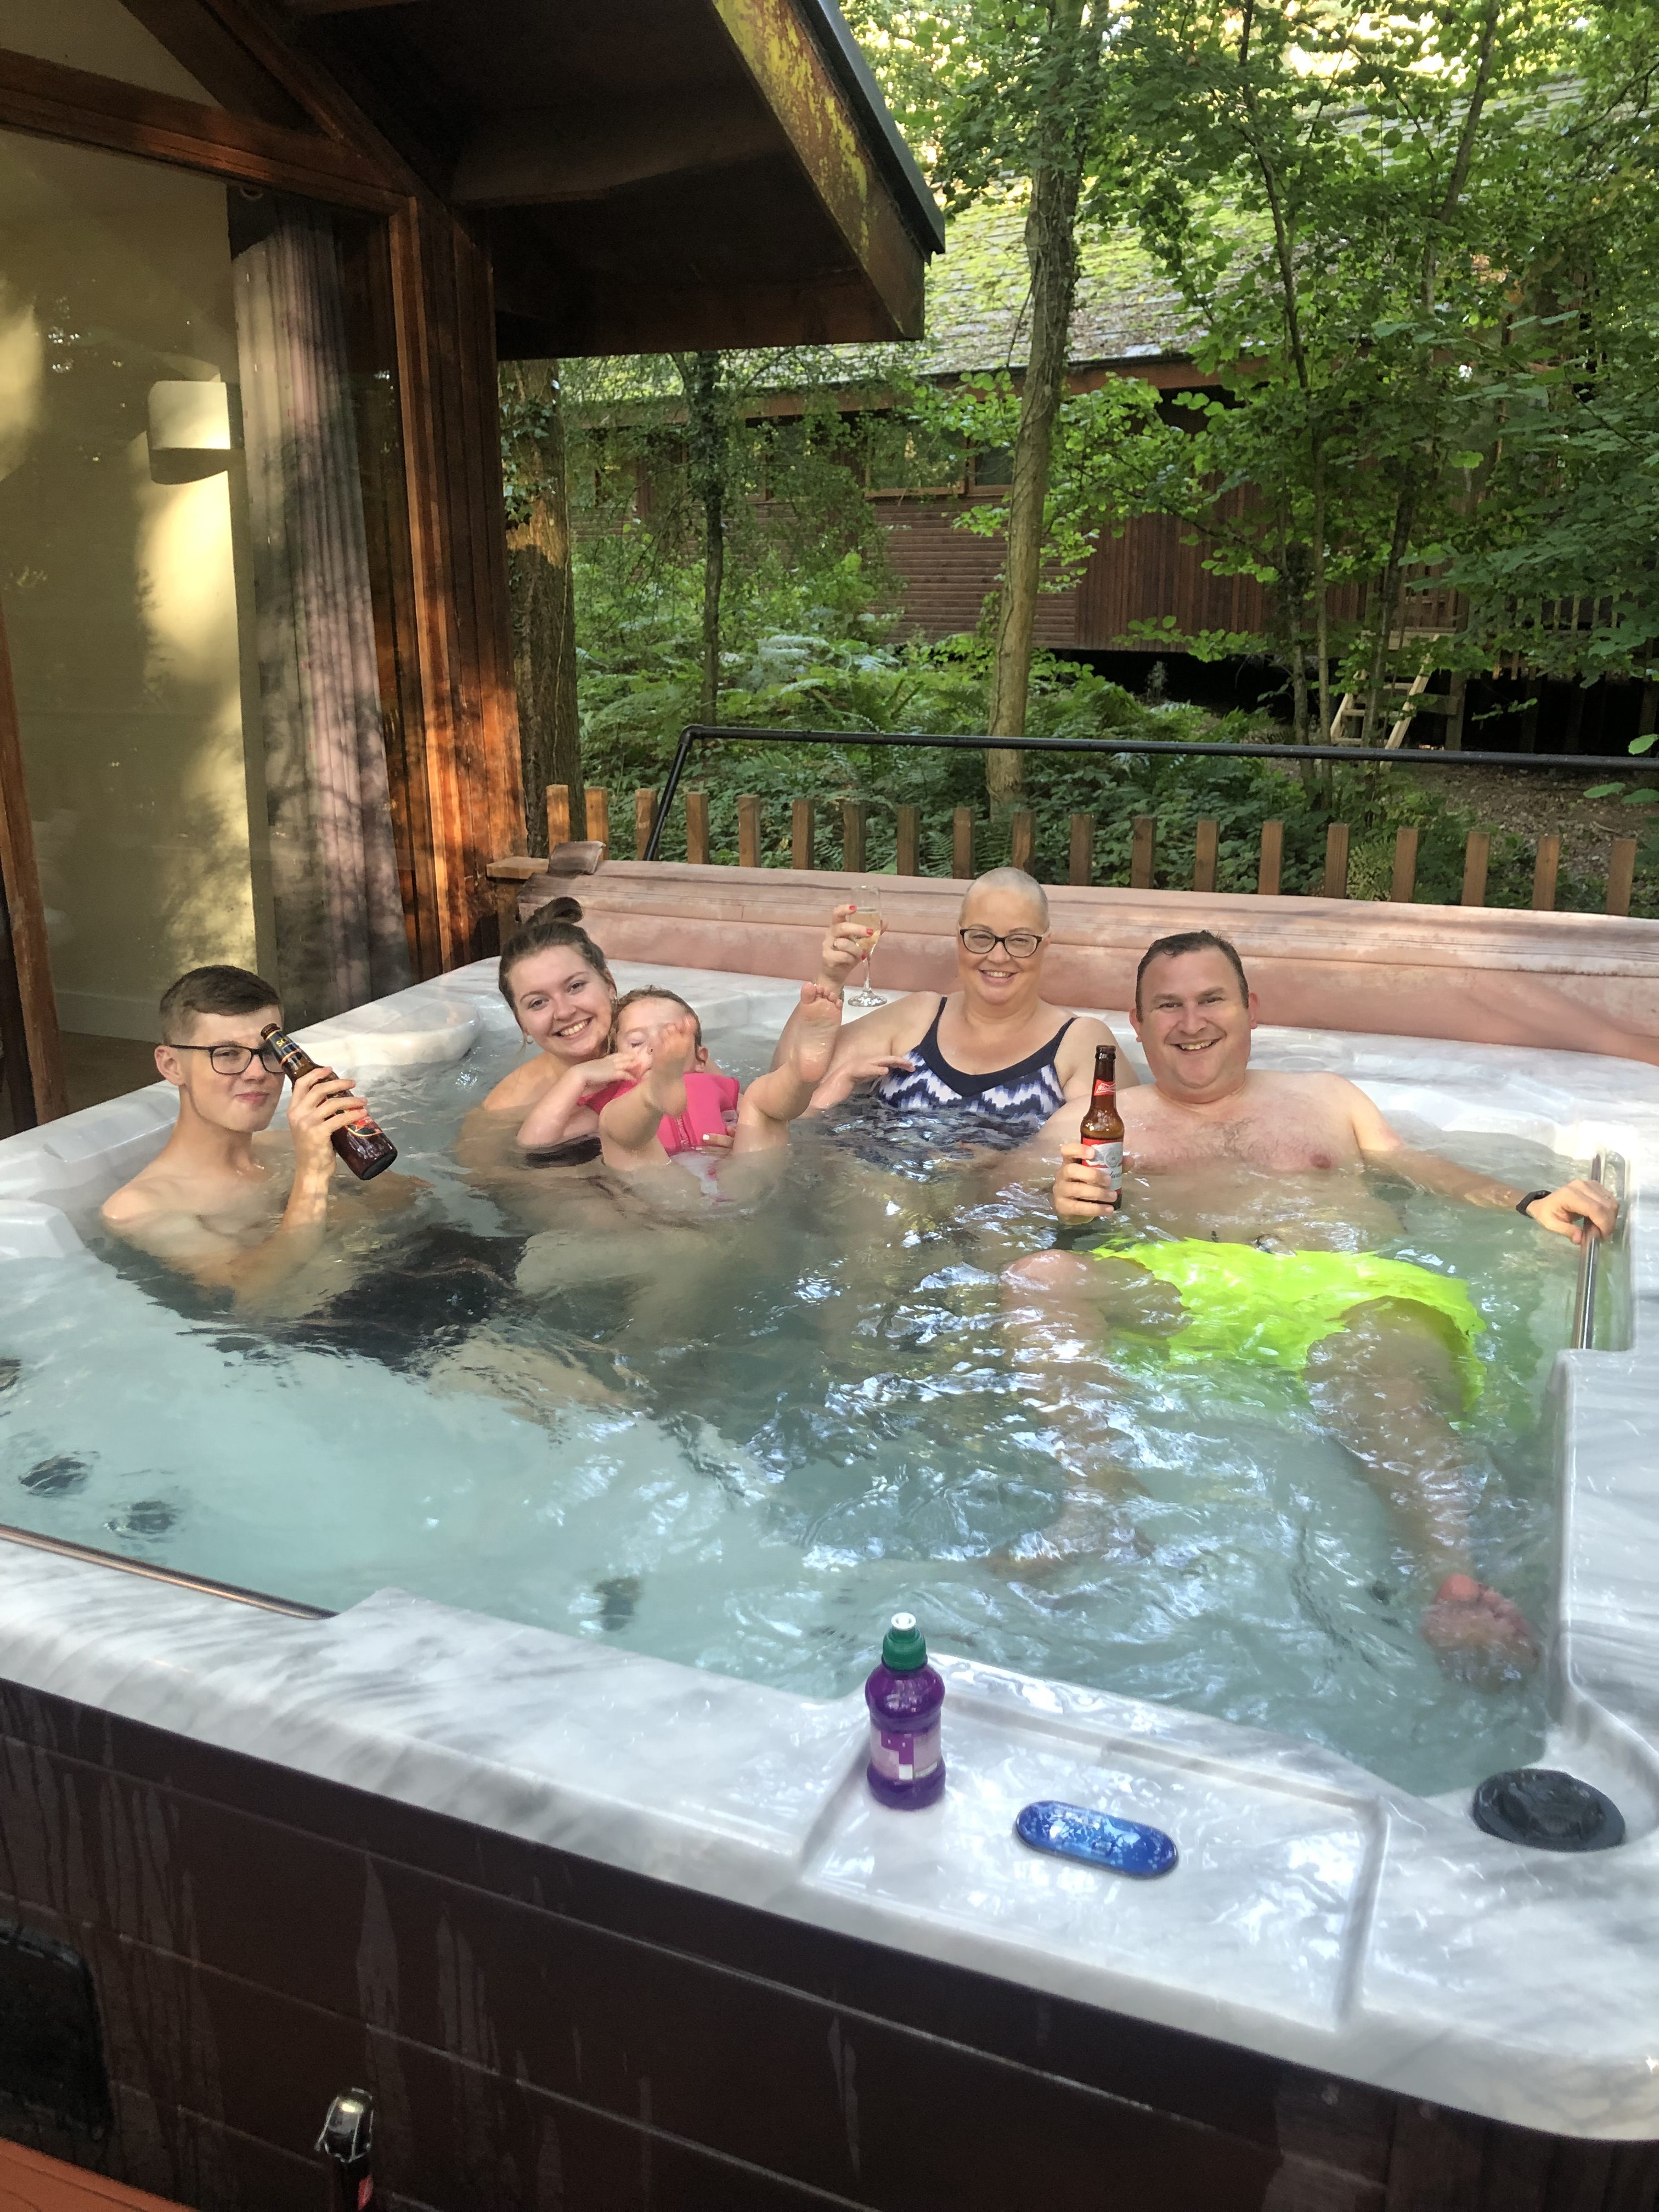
[783, 1093]
[628, 1125]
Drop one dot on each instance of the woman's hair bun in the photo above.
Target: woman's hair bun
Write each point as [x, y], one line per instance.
[560, 909]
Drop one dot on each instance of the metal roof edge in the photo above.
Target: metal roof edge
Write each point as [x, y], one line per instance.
[845, 57]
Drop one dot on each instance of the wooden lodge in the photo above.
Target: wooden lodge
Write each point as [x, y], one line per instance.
[258, 261]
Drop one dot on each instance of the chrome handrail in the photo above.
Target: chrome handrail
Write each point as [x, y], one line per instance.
[1583, 1304]
[63, 1548]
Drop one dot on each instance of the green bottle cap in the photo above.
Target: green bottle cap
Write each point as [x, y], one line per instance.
[903, 1649]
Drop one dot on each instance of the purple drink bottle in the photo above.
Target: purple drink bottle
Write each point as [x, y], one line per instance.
[904, 1695]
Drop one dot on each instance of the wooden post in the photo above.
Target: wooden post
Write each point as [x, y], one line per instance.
[961, 841]
[1476, 853]
[509, 877]
[696, 827]
[1402, 888]
[1143, 852]
[1455, 699]
[29, 1036]
[801, 834]
[1080, 853]
[558, 815]
[1621, 875]
[1203, 856]
[1544, 869]
[1271, 866]
[645, 813]
[852, 835]
[507, 910]
[1022, 839]
[748, 830]
[906, 841]
[599, 816]
[1335, 885]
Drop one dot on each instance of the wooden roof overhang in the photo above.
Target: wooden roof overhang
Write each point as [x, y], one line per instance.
[650, 173]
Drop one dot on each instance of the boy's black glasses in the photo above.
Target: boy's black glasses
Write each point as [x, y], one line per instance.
[232, 1059]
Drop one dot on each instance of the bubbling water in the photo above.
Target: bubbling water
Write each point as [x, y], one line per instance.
[742, 1436]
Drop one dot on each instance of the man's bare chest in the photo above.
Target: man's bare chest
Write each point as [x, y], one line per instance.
[1284, 1140]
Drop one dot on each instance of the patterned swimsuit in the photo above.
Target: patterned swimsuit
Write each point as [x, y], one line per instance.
[1017, 1100]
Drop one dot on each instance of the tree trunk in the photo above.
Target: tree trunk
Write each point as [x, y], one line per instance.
[1320, 590]
[706, 440]
[1293, 566]
[1051, 253]
[1389, 598]
[542, 593]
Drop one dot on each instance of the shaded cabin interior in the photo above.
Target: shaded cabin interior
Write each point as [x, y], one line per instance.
[258, 264]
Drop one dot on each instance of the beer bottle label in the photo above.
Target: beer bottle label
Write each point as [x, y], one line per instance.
[1109, 1158]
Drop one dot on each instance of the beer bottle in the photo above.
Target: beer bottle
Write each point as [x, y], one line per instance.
[365, 1146]
[1102, 1125]
[347, 2141]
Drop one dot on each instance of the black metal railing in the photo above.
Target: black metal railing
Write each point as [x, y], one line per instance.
[1355, 756]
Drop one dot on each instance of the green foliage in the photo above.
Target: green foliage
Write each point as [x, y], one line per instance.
[1100, 437]
[1421, 248]
[827, 667]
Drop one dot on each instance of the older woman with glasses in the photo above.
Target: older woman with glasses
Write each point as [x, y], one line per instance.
[993, 1049]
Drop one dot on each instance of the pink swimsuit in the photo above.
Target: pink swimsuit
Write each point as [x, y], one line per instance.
[708, 1099]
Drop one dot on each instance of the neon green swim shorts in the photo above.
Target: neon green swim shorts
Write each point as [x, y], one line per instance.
[1272, 1308]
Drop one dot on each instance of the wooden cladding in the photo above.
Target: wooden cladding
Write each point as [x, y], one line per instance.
[946, 574]
[1155, 570]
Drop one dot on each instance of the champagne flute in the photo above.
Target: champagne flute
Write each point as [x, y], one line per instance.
[867, 919]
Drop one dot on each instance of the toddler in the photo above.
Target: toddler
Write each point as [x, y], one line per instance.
[661, 1099]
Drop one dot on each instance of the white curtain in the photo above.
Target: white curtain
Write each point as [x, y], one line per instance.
[334, 872]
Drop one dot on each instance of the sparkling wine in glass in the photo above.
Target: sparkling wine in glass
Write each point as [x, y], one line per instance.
[867, 919]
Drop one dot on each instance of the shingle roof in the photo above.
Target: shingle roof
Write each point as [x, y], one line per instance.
[978, 301]
[978, 296]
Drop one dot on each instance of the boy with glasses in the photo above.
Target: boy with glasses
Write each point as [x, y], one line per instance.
[216, 1203]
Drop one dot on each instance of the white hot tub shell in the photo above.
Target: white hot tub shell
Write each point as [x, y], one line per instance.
[1318, 1915]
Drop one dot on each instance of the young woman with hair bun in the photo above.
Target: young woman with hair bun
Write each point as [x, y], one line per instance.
[562, 996]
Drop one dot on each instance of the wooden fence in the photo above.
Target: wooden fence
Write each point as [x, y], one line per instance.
[1080, 851]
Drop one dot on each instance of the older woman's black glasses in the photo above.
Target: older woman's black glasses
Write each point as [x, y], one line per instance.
[232, 1059]
[1021, 944]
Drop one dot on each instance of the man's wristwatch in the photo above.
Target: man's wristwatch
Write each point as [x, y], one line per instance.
[1531, 1198]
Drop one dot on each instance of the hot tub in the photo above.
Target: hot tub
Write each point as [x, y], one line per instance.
[588, 1912]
